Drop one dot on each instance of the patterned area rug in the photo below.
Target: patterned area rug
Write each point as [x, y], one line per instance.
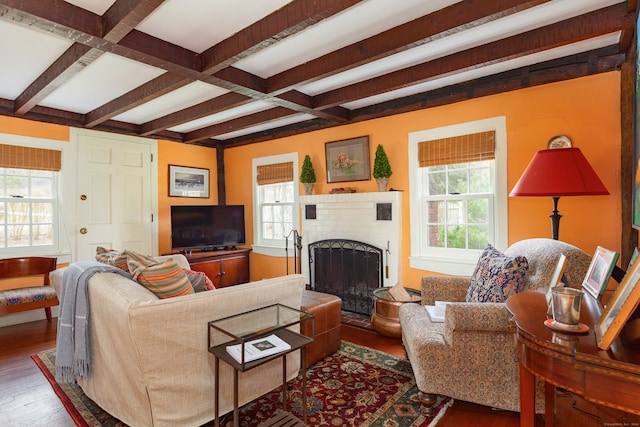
[356, 386]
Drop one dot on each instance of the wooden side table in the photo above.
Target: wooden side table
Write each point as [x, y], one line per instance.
[571, 361]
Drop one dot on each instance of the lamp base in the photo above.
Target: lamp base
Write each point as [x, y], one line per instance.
[555, 218]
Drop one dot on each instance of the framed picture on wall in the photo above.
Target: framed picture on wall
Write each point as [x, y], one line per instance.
[188, 182]
[347, 160]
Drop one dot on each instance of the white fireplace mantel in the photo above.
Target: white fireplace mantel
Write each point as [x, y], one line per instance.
[354, 216]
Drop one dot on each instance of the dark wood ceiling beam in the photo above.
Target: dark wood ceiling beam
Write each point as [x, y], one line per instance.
[206, 108]
[243, 122]
[561, 69]
[286, 21]
[604, 21]
[445, 22]
[127, 13]
[152, 51]
[149, 91]
[52, 16]
[70, 63]
[123, 16]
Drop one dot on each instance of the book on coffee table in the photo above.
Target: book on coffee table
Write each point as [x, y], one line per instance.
[259, 348]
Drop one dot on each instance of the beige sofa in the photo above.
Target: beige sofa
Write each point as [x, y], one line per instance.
[150, 363]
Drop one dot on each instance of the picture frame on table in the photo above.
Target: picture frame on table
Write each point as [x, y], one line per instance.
[599, 272]
[556, 279]
[619, 308]
[188, 182]
[348, 160]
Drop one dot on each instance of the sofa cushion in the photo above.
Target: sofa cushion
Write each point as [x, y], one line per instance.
[112, 257]
[199, 281]
[497, 276]
[164, 278]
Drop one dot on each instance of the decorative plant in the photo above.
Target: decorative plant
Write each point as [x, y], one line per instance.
[381, 166]
[307, 175]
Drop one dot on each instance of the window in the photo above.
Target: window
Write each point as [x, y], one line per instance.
[275, 202]
[28, 199]
[458, 194]
[27, 208]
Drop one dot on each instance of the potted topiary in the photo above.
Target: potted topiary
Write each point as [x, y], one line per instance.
[381, 168]
[307, 175]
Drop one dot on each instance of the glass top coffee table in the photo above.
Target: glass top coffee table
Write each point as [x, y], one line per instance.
[256, 337]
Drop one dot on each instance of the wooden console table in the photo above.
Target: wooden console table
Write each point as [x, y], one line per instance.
[571, 361]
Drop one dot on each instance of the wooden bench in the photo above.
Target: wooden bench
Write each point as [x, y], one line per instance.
[22, 298]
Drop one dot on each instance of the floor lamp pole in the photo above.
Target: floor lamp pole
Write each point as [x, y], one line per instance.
[555, 218]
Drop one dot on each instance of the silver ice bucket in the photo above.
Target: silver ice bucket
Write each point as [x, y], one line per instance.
[566, 304]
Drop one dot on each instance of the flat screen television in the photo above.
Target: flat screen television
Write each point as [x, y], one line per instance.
[207, 227]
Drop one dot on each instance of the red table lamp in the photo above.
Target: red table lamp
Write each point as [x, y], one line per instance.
[558, 172]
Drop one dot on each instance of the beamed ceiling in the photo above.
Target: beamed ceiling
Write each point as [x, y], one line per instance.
[223, 73]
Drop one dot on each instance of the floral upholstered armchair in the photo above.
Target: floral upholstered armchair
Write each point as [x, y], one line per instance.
[472, 355]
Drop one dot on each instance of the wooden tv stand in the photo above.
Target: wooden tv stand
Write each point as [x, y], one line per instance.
[224, 267]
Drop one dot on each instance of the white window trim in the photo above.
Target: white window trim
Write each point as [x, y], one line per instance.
[446, 262]
[258, 247]
[63, 250]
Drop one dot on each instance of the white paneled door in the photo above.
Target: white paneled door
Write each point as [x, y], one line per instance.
[114, 201]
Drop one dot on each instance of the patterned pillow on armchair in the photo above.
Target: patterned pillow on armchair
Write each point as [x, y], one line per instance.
[497, 276]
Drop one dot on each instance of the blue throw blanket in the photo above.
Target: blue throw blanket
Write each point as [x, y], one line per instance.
[73, 357]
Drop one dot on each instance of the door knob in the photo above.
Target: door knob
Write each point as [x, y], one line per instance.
[83, 230]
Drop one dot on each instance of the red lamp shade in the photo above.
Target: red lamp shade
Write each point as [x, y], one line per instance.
[559, 172]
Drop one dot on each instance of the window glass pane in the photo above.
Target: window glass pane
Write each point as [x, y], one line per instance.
[456, 212]
[17, 186]
[479, 180]
[437, 183]
[267, 214]
[436, 236]
[479, 211]
[269, 194]
[2, 182]
[41, 188]
[18, 235]
[457, 237]
[277, 213]
[458, 182]
[17, 213]
[267, 230]
[42, 213]
[288, 213]
[42, 234]
[436, 211]
[478, 237]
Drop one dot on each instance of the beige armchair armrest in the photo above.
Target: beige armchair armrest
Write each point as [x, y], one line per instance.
[444, 288]
[476, 318]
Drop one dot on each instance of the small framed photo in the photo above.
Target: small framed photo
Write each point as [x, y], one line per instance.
[188, 182]
[347, 160]
[599, 272]
[556, 279]
[620, 307]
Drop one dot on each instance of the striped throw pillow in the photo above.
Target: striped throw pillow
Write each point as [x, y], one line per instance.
[112, 257]
[164, 278]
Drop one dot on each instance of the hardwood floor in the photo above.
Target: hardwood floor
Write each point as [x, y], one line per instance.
[27, 399]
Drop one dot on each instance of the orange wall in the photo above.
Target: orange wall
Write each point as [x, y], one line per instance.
[173, 153]
[585, 109]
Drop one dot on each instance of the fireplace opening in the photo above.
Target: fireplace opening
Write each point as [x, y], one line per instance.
[349, 269]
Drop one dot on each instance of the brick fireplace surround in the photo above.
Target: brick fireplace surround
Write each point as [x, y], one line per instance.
[373, 218]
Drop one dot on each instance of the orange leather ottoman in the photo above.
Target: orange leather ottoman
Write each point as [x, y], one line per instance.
[327, 310]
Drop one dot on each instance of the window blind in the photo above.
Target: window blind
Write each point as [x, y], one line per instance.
[17, 157]
[458, 149]
[274, 173]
